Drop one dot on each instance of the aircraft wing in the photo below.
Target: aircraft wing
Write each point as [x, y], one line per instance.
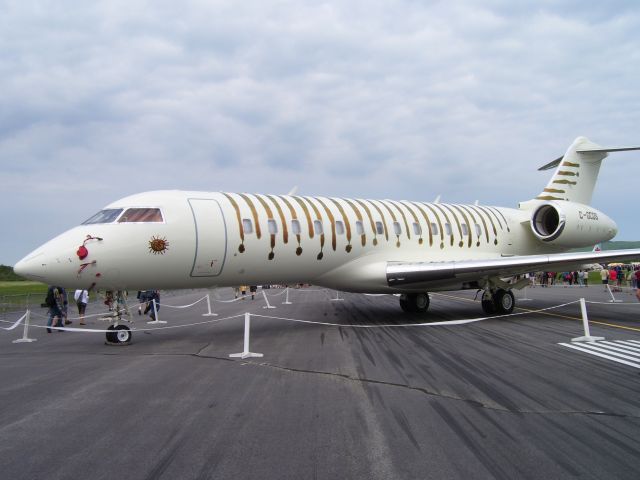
[408, 273]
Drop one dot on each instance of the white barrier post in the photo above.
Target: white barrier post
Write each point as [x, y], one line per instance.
[613, 299]
[337, 299]
[268, 305]
[525, 298]
[247, 329]
[25, 332]
[209, 312]
[585, 322]
[155, 315]
[286, 301]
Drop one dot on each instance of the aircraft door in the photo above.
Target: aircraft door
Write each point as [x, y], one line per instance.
[211, 237]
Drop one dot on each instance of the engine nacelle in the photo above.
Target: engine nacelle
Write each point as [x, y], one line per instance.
[570, 225]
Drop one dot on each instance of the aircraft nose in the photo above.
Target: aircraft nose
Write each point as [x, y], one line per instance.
[31, 267]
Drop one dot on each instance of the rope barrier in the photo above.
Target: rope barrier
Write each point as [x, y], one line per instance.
[15, 325]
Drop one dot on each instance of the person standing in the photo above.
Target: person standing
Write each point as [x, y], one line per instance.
[604, 275]
[56, 304]
[253, 289]
[82, 298]
[152, 295]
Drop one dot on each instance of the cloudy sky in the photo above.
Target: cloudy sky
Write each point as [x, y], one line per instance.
[364, 98]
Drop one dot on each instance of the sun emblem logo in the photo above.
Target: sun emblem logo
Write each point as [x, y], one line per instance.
[158, 245]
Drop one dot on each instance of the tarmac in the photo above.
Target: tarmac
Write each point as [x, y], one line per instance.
[365, 392]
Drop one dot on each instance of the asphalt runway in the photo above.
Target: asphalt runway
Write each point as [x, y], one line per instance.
[496, 398]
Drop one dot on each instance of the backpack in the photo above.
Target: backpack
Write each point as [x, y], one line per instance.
[50, 301]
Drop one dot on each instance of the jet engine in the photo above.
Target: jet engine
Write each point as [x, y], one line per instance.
[569, 224]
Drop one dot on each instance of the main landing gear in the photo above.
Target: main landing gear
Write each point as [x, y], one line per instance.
[500, 301]
[414, 302]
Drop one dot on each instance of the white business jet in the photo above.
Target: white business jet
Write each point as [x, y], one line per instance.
[181, 239]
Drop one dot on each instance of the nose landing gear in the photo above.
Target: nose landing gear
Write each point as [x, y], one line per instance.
[119, 334]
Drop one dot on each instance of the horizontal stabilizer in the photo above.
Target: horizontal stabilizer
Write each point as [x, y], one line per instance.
[557, 161]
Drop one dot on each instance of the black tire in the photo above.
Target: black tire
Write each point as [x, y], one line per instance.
[111, 336]
[504, 301]
[414, 302]
[488, 306]
[122, 334]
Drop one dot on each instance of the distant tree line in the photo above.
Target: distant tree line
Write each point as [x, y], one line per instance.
[7, 275]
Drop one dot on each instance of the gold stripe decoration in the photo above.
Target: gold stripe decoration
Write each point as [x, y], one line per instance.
[269, 217]
[294, 216]
[393, 218]
[565, 182]
[453, 214]
[426, 219]
[363, 236]
[347, 224]
[547, 197]
[566, 173]
[384, 223]
[235, 206]
[446, 218]
[332, 220]
[439, 223]
[319, 217]
[306, 214]
[285, 229]
[570, 164]
[254, 212]
[466, 219]
[406, 224]
[503, 217]
[415, 219]
[373, 224]
[493, 225]
[484, 224]
[553, 190]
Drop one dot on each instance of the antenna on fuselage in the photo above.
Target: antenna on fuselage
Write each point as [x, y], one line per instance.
[293, 191]
[437, 200]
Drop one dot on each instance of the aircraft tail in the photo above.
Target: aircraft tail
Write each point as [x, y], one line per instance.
[576, 172]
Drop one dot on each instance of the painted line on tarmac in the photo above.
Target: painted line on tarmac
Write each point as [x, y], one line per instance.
[566, 317]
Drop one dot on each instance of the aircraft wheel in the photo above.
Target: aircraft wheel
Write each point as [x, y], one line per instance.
[488, 306]
[505, 301]
[122, 334]
[405, 305]
[111, 336]
[414, 302]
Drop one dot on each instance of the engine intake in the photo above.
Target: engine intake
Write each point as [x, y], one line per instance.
[570, 225]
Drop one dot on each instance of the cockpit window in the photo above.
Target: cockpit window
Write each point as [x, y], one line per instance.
[141, 215]
[104, 216]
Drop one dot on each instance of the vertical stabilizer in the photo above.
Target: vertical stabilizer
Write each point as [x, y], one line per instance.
[576, 173]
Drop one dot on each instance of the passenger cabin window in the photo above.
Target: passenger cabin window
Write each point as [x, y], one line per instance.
[273, 227]
[434, 229]
[104, 216]
[478, 230]
[465, 230]
[339, 227]
[379, 228]
[417, 229]
[317, 227]
[247, 226]
[295, 227]
[141, 215]
[447, 228]
[359, 228]
[397, 229]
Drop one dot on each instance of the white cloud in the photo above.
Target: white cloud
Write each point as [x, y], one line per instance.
[360, 99]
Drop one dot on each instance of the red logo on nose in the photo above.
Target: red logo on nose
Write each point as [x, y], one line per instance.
[82, 252]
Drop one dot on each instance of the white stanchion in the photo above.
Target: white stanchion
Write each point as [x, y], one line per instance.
[525, 299]
[155, 315]
[209, 312]
[613, 299]
[585, 322]
[337, 299]
[247, 329]
[286, 300]
[25, 332]
[268, 305]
